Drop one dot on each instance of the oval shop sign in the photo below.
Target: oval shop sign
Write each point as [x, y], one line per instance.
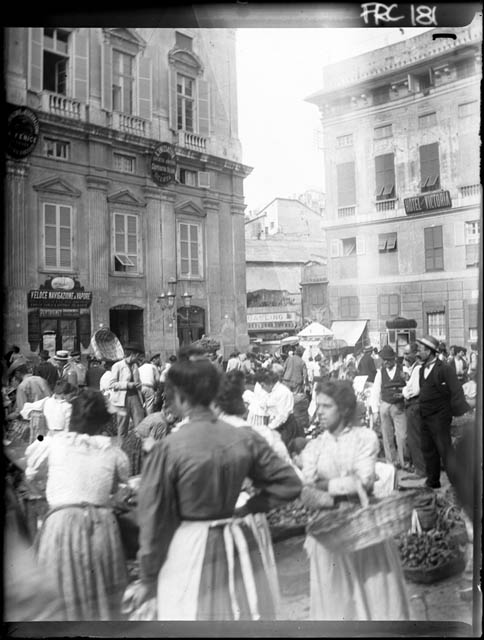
[22, 132]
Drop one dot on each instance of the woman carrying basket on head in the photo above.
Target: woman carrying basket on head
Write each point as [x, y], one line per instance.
[361, 585]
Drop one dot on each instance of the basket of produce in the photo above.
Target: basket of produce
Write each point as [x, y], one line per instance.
[429, 556]
[106, 345]
[450, 521]
[288, 520]
[349, 527]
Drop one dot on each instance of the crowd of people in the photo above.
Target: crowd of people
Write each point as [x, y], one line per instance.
[206, 448]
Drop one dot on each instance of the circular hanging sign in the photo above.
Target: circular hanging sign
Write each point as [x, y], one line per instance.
[22, 132]
[163, 164]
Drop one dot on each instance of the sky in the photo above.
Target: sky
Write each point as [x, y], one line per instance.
[277, 68]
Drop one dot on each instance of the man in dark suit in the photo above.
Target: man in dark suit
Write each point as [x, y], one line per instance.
[46, 369]
[441, 398]
[366, 366]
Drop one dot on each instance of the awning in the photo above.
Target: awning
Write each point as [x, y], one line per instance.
[348, 330]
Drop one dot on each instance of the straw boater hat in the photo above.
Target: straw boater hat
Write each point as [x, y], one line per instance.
[61, 356]
[430, 342]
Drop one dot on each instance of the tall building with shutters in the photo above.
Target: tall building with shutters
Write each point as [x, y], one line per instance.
[123, 175]
[402, 149]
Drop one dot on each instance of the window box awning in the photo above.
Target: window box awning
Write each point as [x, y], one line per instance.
[348, 330]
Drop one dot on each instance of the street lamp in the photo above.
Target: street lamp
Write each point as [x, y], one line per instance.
[167, 301]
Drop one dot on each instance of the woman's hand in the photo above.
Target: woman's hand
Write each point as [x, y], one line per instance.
[137, 593]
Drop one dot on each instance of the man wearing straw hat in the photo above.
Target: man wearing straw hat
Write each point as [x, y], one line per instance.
[125, 389]
[441, 397]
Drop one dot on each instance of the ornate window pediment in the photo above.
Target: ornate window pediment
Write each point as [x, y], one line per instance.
[125, 197]
[125, 37]
[59, 187]
[189, 208]
[187, 59]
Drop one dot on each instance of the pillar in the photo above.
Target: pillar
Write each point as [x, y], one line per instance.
[99, 252]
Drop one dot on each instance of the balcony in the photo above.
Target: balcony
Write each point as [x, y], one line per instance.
[470, 191]
[386, 205]
[129, 124]
[346, 212]
[192, 141]
[63, 106]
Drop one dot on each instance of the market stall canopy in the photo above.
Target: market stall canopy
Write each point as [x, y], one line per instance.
[290, 340]
[348, 330]
[315, 331]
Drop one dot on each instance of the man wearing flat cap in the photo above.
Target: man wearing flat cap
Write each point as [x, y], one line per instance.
[441, 398]
[125, 390]
[387, 404]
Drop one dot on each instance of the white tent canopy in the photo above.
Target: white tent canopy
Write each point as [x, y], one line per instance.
[315, 331]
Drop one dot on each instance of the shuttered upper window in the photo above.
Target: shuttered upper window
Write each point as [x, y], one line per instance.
[190, 250]
[434, 249]
[57, 236]
[429, 167]
[346, 184]
[385, 176]
[123, 82]
[126, 243]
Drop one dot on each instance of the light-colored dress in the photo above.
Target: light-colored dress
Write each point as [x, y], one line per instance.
[363, 585]
[79, 546]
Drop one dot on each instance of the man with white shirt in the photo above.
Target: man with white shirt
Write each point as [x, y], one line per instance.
[441, 397]
[149, 375]
[411, 392]
[387, 404]
[279, 406]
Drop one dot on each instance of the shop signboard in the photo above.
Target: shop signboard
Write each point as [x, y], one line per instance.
[59, 293]
[280, 321]
[427, 202]
[22, 132]
[163, 164]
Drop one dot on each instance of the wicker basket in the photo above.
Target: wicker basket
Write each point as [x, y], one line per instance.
[429, 575]
[356, 528]
[106, 346]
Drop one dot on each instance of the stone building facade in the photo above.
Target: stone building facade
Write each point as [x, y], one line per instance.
[402, 149]
[133, 187]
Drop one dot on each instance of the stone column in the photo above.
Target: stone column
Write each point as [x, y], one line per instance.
[237, 209]
[99, 252]
[214, 316]
[154, 271]
[168, 268]
[17, 235]
[227, 278]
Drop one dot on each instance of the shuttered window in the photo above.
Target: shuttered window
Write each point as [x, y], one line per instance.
[472, 231]
[190, 250]
[349, 307]
[185, 102]
[126, 243]
[387, 242]
[57, 236]
[436, 324]
[389, 305]
[385, 176]
[434, 249]
[381, 95]
[346, 184]
[429, 167]
[123, 82]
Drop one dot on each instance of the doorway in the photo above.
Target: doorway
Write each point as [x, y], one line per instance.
[126, 321]
[190, 325]
[60, 333]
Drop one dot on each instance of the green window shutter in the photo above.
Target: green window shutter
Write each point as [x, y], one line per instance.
[36, 59]
[81, 65]
[144, 88]
[203, 108]
[106, 76]
[172, 98]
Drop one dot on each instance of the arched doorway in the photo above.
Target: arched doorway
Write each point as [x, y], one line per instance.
[126, 321]
[190, 325]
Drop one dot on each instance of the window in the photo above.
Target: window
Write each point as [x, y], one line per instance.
[436, 324]
[349, 307]
[183, 41]
[55, 60]
[427, 120]
[387, 242]
[385, 176]
[188, 177]
[126, 252]
[468, 109]
[346, 184]
[189, 250]
[349, 246]
[389, 305]
[344, 141]
[57, 236]
[465, 68]
[123, 81]
[185, 102]
[472, 231]
[381, 95]
[473, 322]
[422, 81]
[429, 167]
[124, 163]
[56, 149]
[434, 249]
[384, 131]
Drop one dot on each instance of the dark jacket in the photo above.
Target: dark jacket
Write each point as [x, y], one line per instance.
[366, 367]
[391, 390]
[441, 391]
[47, 371]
